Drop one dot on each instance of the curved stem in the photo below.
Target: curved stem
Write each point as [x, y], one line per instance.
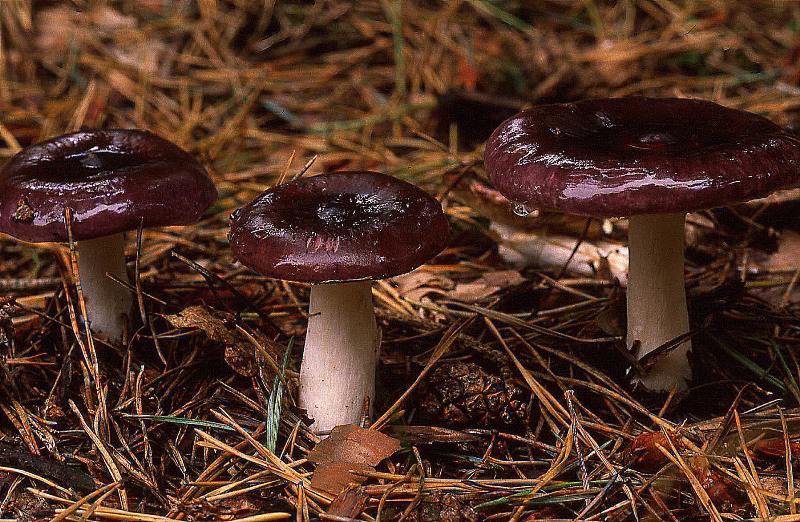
[108, 304]
[341, 351]
[657, 310]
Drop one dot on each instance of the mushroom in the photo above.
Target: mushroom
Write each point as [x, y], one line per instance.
[652, 160]
[113, 181]
[339, 231]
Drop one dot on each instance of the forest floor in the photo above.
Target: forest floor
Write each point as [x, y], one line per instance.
[503, 378]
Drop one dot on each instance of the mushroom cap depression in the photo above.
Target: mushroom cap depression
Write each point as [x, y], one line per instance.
[342, 226]
[113, 180]
[628, 156]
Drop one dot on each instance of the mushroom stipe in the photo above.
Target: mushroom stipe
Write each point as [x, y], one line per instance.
[108, 303]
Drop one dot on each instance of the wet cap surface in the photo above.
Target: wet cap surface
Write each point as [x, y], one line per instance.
[341, 226]
[628, 156]
[111, 179]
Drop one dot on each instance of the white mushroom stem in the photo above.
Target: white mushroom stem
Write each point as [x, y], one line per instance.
[657, 310]
[108, 304]
[337, 376]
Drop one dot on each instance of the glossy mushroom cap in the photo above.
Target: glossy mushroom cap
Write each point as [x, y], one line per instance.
[629, 156]
[111, 179]
[342, 226]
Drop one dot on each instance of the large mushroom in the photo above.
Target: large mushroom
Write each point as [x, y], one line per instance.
[113, 181]
[339, 231]
[652, 160]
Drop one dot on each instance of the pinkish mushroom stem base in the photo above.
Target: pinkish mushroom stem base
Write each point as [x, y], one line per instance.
[108, 304]
[656, 297]
[337, 377]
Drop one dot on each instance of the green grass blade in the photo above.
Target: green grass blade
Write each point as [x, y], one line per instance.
[275, 400]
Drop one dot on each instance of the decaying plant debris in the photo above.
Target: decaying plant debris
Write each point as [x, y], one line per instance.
[194, 420]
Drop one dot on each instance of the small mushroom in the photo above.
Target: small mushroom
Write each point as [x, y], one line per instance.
[113, 181]
[339, 231]
[652, 160]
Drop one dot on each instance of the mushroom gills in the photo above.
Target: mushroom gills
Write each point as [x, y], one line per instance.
[656, 298]
[108, 303]
[337, 376]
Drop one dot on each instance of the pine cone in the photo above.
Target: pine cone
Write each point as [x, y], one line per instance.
[461, 394]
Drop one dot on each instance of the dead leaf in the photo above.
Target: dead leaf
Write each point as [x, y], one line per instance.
[643, 454]
[502, 278]
[471, 292]
[486, 285]
[348, 449]
[421, 294]
[722, 491]
[241, 360]
[417, 279]
[349, 504]
[240, 354]
[335, 477]
[198, 317]
[350, 443]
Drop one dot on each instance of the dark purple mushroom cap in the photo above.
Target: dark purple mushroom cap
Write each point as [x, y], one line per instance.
[343, 226]
[628, 156]
[111, 179]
